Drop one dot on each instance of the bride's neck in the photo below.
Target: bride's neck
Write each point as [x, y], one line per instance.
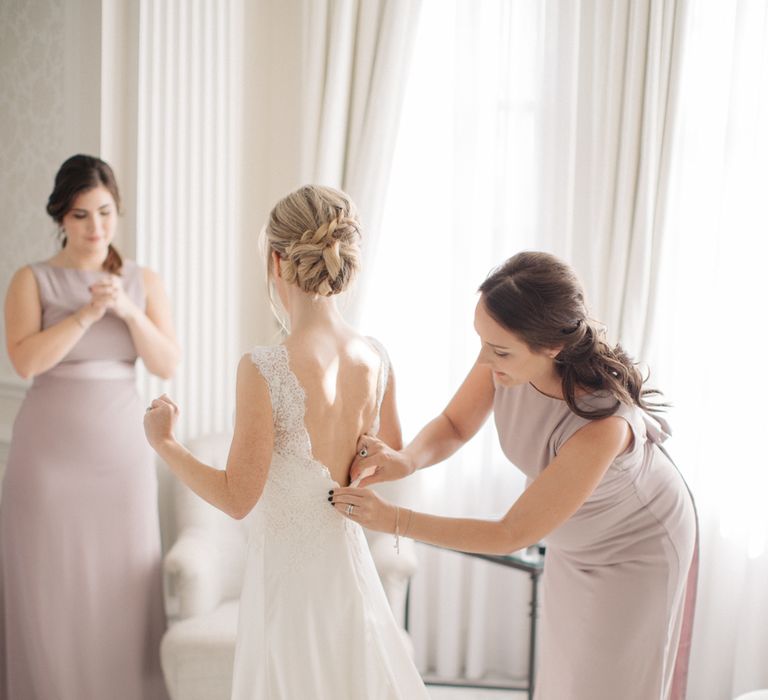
[308, 312]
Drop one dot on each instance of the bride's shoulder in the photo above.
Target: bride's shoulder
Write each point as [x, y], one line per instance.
[266, 357]
[378, 346]
[264, 350]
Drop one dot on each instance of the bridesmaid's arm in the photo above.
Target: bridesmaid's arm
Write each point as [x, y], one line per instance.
[438, 440]
[34, 351]
[152, 330]
[553, 497]
[458, 423]
[237, 489]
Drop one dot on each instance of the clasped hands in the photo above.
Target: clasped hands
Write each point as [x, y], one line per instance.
[107, 294]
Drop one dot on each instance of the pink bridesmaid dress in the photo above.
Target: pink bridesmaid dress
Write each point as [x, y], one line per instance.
[80, 585]
[619, 579]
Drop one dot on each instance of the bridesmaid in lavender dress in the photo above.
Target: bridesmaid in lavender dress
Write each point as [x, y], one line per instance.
[81, 611]
[619, 578]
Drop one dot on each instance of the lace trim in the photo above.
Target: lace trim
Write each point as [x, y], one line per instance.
[301, 523]
[381, 385]
[288, 401]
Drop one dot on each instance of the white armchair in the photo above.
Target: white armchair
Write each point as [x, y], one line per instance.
[203, 574]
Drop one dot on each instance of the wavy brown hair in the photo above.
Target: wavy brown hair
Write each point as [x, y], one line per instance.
[76, 175]
[539, 298]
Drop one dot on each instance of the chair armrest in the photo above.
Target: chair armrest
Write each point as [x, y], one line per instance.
[192, 580]
[395, 570]
[385, 556]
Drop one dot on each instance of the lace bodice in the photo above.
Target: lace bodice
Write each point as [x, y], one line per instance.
[289, 400]
[294, 503]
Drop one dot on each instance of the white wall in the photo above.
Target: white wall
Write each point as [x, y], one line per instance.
[271, 143]
[50, 109]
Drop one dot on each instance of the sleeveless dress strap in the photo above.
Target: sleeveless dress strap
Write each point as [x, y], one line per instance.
[266, 360]
[383, 380]
[288, 400]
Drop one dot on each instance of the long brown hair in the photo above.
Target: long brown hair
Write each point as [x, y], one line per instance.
[539, 298]
[76, 175]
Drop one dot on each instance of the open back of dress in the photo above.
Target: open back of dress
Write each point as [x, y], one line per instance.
[314, 619]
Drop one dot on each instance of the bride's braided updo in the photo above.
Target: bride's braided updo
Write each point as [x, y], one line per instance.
[316, 233]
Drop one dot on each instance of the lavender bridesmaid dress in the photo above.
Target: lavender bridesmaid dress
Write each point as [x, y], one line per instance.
[80, 583]
[619, 579]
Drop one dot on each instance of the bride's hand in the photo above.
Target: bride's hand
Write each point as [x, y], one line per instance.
[159, 420]
[366, 507]
[373, 454]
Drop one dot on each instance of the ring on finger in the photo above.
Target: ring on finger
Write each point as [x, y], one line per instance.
[350, 508]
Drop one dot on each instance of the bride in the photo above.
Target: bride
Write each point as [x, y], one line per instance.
[314, 621]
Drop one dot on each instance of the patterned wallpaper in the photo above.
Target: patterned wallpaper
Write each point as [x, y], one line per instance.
[32, 46]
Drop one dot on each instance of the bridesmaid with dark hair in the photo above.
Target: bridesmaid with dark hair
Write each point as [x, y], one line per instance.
[571, 412]
[82, 614]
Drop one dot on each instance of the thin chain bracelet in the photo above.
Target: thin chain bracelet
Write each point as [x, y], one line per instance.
[408, 524]
[397, 529]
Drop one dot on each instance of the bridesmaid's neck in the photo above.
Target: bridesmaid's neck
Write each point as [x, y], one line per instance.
[65, 258]
[552, 386]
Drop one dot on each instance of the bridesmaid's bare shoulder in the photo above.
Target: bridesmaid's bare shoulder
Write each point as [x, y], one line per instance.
[152, 280]
[23, 283]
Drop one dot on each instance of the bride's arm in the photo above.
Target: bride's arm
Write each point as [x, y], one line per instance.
[236, 489]
[390, 431]
[438, 440]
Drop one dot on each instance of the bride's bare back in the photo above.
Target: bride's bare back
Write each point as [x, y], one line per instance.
[339, 372]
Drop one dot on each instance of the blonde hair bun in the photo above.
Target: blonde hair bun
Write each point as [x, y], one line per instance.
[316, 233]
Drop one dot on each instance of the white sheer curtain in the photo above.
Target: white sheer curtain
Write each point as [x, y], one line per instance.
[525, 125]
[355, 61]
[713, 336]
[461, 198]
[609, 81]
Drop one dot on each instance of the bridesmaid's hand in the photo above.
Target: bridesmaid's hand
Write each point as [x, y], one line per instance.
[376, 461]
[366, 507]
[159, 420]
[94, 310]
[109, 292]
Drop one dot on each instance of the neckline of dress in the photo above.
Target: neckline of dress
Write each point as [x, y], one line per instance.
[586, 396]
[74, 269]
[545, 395]
[310, 453]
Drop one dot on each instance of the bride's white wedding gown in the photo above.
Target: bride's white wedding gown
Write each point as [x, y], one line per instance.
[314, 621]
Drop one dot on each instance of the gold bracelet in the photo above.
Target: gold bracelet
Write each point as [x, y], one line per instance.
[408, 524]
[397, 529]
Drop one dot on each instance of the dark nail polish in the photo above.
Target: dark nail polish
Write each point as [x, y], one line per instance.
[330, 493]
[330, 498]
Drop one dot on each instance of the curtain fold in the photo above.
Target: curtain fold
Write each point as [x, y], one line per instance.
[461, 199]
[713, 334]
[542, 126]
[356, 60]
[610, 81]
